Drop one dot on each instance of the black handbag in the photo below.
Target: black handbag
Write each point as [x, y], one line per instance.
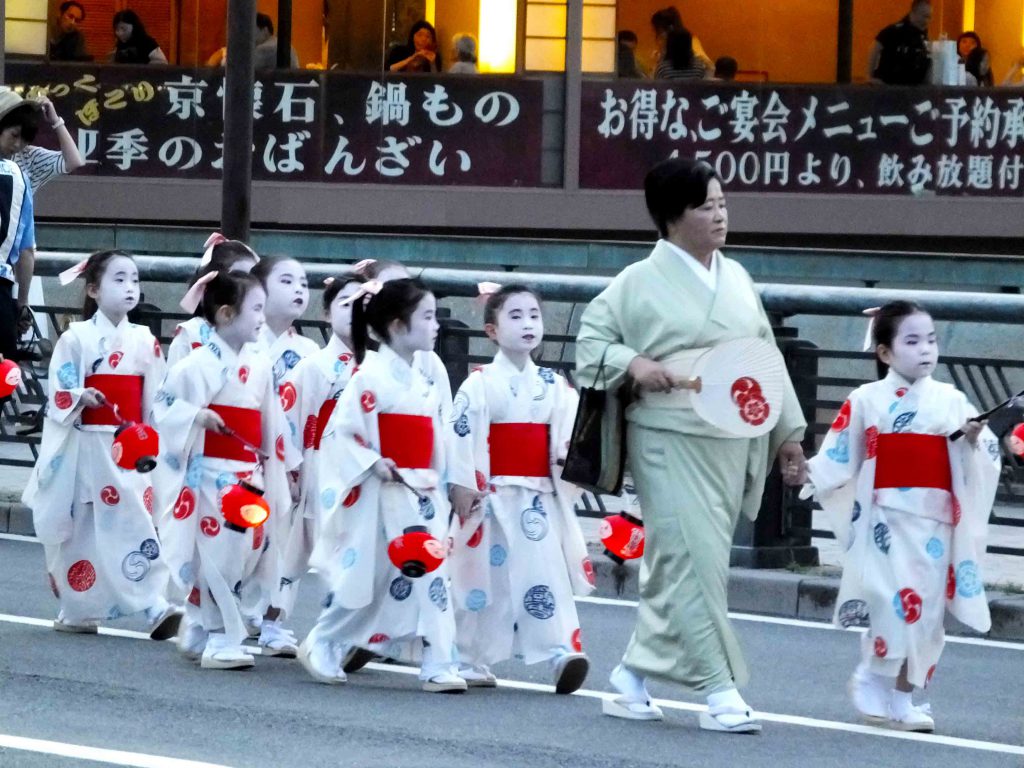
[596, 459]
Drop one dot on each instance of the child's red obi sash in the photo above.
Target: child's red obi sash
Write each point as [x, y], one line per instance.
[907, 460]
[246, 422]
[121, 390]
[406, 439]
[520, 450]
[322, 417]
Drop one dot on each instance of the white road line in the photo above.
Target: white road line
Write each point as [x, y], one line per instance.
[97, 754]
[684, 706]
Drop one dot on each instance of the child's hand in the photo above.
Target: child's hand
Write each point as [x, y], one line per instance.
[792, 463]
[465, 501]
[93, 398]
[385, 469]
[210, 420]
[972, 429]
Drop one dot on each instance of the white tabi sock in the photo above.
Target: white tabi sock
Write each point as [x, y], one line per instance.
[902, 703]
[730, 697]
[629, 683]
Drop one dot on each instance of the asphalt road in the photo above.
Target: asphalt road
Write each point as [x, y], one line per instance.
[139, 703]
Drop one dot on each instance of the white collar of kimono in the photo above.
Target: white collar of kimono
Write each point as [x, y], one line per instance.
[505, 365]
[336, 346]
[270, 338]
[103, 322]
[707, 276]
[387, 354]
[898, 381]
[227, 356]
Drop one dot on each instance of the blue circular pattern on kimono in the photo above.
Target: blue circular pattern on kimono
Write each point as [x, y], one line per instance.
[902, 422]
[968, 579]
[216, 351]
[290, 358]
[194, 473]
[840, 452]
[67, 376]
[427, 508]
[853, 613]
[173, 462]
[224, 479]
[327, 601]
[534, 521]
[204, 333]
[56, 461]
[498, 555]
[150, 549]
[897, 606]
[186, 574]
[934, 548]
[461, 426]
[400, 588]
[348, 558]
[539, 602]
[882, 537]
[438, 593]
[856, 512]
[476, 600]
[328, 497]
[135, 566]
[546, 375]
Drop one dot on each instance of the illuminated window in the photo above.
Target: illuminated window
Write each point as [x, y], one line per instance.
[25, 29]
[599, 46]
[497, 44]
[544, 43]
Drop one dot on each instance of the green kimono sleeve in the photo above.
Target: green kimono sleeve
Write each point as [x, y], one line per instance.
[601, 336]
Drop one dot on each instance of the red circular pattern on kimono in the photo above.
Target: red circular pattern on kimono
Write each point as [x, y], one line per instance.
[62, 400]
[147, 499]
[309, 432]
[279, 447]
[288, 395]
[352, 497]
[368, 400]
[345, 357]
[257, 537]
[588, 570]
[871, 442]
[209, 526]
[842, 420]
[743, 389]
[114, 359]
[881, 649]
[53, 585]
[109, 495]
[577, 641]
[81, 576]
[950, 583]
[901, 392]
[185, 505]
[911, 603]
[380, 637]
[196, 344]
[194, 596]
[957, 512]
[481, 481]
[928, 677]
[243, 374]
[755, 410]
[476, 538]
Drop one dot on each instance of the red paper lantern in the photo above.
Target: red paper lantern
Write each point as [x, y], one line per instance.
[243, 506]
[416, 552]
[623, 537]
[10, 377]
[1017, 440]
[136, 446]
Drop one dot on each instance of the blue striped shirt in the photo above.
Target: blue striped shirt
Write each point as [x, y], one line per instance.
[17, 219]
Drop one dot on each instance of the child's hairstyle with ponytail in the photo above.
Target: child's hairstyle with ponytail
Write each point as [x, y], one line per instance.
[335, 286]
[396, 300]
[885, 326]
[227, 289]
[223, 257]
[95, 268]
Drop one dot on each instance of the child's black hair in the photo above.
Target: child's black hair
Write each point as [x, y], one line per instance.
[397, 300]
[266, 265]
[494, 303]
[227, 289]
[886, 324]
[94, 270]
[223, 257]
[338, 282]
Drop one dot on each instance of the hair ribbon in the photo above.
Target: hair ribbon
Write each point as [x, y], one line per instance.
[869, 336]
[369, 288]
[71, 274]
[191, 300]
[360, 267]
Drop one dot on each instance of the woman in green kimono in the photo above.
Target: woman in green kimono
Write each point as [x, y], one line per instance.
[693, 479]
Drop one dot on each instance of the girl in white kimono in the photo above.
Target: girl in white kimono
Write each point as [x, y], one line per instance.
[386, 474]
[284, 281]
[519, 554]
[94, 517]
[315, 384]
[214, 406]
[221, 255]
[910, 506]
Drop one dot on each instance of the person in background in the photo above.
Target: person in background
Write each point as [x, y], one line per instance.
[134, 46]
[422, 45]
[42, 165]
[680, 62]
[626, 63]
[976, 59]
[666, 21]
[266, 45]
[67, 43]
[900, 55]
[725, 68]
[1015, 75]
[464, 52]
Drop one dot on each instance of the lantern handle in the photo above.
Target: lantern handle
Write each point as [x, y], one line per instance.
[397, 478]
[121, 420]
[263, 455]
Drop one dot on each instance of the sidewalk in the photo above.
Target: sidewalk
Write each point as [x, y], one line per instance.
[809, 594]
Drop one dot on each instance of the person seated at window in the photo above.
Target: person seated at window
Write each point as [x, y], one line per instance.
[726, 68]
[67, 43]
[266, 45]
[680, 62]
[134, 46]
[900, 55]
[1015, 75]
[464, 53]
[975, 58]
[626, 63]
[422, 44]
[666, 21]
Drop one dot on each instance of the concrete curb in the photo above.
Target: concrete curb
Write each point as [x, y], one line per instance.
[810, 597]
